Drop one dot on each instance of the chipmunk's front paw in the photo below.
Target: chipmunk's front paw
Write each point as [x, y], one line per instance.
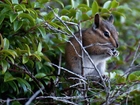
[112, 52]
[115, 52]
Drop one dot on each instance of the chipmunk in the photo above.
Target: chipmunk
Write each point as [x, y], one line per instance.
[100, 41]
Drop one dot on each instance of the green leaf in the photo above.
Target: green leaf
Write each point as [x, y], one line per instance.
[137, 25]
[124, 8]
[13, 17]
[49, 16]
[119, 13]
[132, 77]
[1, 18]
[120, 79]
[46, 58]
[40, 75]
[17, 25]
[25, 59]
[42, 31]
[9, 52]
[33, 13]
[4, 65]
[43, 1]
[137, 73]
[28, 49]
[11, 59]
[107, 4]
[6, 44]
[8, 2]
[24, 84]
[64, 12]
[37, 56]
[83, 7]
[75, 3]
[85, 17]
[72, 13]
[56, 25]
[104, 10]
[95, 8]
[14, 1]
[8, 77]
[20, 7]
[78, 15]
[14, 86]
[39, 49]
[61, 3]
[65, 18]
[119, 72]
[89, 13]
[87, 2]
[16, 103]
[5, 10]
[39, 65]
[27, 16]
[114, 4]
[139, 78]
[137, 98]
[2, 42]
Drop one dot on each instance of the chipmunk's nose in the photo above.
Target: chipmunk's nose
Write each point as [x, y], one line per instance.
[114, 42]
[117, 45]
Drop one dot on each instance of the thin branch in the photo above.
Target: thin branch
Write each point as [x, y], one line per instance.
[61, 99]
[74, 49]
[81, 77]
[108, 93]
[55, 29]
[59, 69]
[123, 91]
[136, 55]
[77, 84]
[131, 67]
[33, 96]
[26, 71]
[85, 86]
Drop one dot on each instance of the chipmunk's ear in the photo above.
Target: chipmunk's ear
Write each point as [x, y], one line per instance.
[111, 19]
[96, 21]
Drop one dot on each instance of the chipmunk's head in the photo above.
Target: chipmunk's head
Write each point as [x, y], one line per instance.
[106, 30]
[106, 34]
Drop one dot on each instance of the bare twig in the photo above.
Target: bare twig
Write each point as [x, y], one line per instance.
[55, 29]
[131, 67]
[136, 55]
[33, 97]
[61, 99]
[59, 69]
[77, 84]
[75, 49]
[8, 102]
[81, 77]
[108, 93]
[26, 71]
[82, 66]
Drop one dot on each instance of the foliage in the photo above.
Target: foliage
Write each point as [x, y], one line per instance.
[32, 42]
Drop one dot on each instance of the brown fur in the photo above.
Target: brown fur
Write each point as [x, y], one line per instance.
[99, 53]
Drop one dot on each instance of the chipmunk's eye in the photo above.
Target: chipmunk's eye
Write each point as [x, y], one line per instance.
[106, 34]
